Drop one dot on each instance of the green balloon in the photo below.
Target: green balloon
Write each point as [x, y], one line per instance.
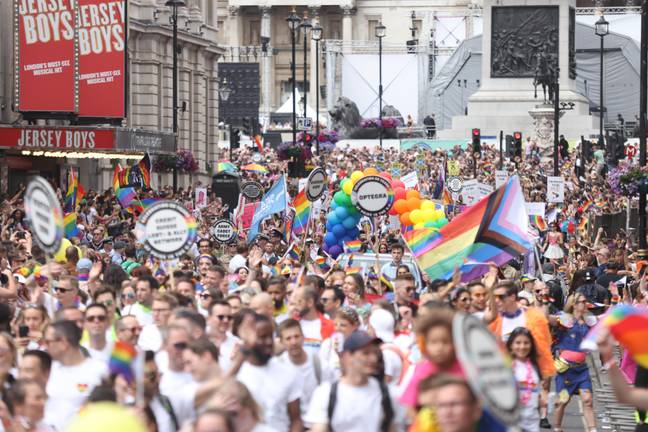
[346, 200]
[352, 210]
[344, 181]
[339, 198]
[429, 224]
[442, 222]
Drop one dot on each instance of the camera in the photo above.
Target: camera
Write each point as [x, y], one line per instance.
[4, 280]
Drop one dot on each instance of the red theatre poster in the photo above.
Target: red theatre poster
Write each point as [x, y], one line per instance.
[102, 43]
[45, 55]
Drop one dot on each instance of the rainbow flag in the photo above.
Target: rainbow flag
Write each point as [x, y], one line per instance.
[225, 166]
[629, 326]
[352, 246]
[125, 195]
[121, 360]
[302, 213]
[447, 197]
[586, 206]
[294, 252]
[353, 270]
[538, 222]
[322, 263]
[583, 223]
[144, 167]
[255, 168]
[258, 142]
[74, 193]
[495, 229]
[70, 223]
[147, 202]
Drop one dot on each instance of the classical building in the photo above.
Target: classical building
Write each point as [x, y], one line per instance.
[149, 112]
[257, 31]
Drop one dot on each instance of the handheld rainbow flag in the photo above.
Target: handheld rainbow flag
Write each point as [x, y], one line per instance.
[352, 246]
[126, 196]
[586, 206]
[353, 270]
[258, 142]
[294, 252]
[255, 168]
[538, 222]
[70, 222]
[322, 263]
[583, 223]
[494, 229]
[121, 360]
[302, 213]
[74, 193]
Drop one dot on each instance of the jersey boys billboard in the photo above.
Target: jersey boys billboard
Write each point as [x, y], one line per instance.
[70, 57]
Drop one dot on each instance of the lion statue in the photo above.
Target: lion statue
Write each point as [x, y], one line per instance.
[346, 118]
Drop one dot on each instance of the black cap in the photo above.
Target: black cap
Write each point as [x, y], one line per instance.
[589, 275]
[358, 340]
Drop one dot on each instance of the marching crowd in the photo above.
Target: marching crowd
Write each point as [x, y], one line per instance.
[244, 337]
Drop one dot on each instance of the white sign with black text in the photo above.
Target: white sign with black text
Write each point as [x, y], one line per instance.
[555, 189]
[45, 215]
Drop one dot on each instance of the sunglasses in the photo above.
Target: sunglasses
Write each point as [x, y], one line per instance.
[129, 296]
[62, 290]
[180, 345]
[224, 317]
[96, 318]
[501, 296]
[205, 295]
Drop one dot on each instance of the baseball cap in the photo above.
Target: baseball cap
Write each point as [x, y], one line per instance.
[119, 244]
[528, 278]
[84, 264]
[358, 340]
[382, 323]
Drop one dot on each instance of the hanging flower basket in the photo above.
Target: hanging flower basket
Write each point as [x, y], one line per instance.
[289, 150]
[183, 161]
[376, 123]
[626, 179]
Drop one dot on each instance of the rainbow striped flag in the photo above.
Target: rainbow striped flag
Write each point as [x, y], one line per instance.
[538, 222]
[121, 360]
[583, 223]
[225, 166]
[353, 270]
[126, 196]
[629, 326]
[302, 213]
[70, 223]
[352, 246]
[258, 142]
[294, 252]
[495, 229]
[447, 197]
[586, 206]
[147, 202]
[144, 167]
[74, 193]
[322, 263]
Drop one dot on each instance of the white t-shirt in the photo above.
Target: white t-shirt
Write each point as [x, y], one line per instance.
[312, 330]
[530, 394]
[162, 417]
[330, 359]
[236, 262]
[180, 388]
[393, 363]
[262, 427]
[100, 355]
[308, 379]
[510, 324]
[357, 409]
[68, 388]
[150, 338]
[225, 352]
[273, 387]
[143, 314]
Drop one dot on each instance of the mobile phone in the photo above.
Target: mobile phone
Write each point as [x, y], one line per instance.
[23, 331]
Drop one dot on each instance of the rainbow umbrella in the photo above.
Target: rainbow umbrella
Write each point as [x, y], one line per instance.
[225, 166]
[255, 168]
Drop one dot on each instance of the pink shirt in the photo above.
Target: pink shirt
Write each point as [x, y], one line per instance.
[423, 370]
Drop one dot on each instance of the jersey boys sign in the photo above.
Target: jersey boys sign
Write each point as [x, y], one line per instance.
[71, 56]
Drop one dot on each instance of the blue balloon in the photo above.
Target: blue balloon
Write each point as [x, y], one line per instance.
[332, 217]
[334, 205]
[330, 239]
[353, 210]
[341, 213]
[329, 226]
[349, 222]
[354, 232]
[339, 231]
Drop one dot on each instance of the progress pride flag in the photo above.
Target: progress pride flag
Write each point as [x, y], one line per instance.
[102, 40]
[46, 57]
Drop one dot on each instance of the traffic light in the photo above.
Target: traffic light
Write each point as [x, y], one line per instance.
[517, 144]
[247, 130]
[235, 139]
[308, 138]
[476, 140]
[510, 147]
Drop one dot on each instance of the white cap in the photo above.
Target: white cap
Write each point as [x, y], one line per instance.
[383, 324]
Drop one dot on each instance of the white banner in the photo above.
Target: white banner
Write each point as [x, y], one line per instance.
[201, 197]
[410, 180]
[500, 178]
[555, 189]
[536, 209]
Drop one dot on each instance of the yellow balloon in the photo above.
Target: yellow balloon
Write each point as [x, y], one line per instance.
[416, 216]
[428, 215]
[439, 214]
[356, 175]
[59, 256]
[105, 417]
[427, 205]
[420, 225]
[371, 171]
[348, 187]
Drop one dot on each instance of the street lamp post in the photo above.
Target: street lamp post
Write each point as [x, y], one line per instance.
[316, 35]
[293, 24]
[602, 28]
[224, 92]
[380, 34]
[174, 5]
[305, 25]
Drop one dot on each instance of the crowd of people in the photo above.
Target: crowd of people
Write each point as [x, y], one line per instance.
[244, 337]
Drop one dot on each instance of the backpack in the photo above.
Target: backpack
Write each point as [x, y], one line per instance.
[405, 363]
[385, 402]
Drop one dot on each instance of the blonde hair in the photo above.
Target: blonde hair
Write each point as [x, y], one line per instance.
[571, 302]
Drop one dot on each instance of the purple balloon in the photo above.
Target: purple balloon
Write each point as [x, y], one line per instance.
[335, 251]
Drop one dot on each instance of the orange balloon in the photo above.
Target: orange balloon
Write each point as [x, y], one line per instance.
[401, 206]
[371, 171]
[405, 219]
[413, 203]
[413, 193]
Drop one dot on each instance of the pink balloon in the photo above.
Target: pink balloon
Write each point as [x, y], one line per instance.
[397, 184]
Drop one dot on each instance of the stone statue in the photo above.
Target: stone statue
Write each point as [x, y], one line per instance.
[545, 76]
[392, 111]
[346, 118]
